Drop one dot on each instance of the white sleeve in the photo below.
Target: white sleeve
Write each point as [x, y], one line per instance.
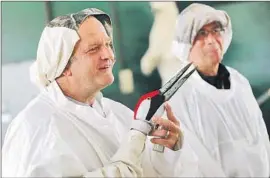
[263, 134]
[23, 158]
[261, 127]
[159, 164]
[127, 160]
[261, 123]
[154, 164]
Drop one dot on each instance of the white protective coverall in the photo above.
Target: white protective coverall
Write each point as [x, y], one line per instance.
[225, 134]
[223, 129]
[55, 136]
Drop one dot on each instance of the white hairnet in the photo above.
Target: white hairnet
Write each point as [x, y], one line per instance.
[54, 50]
[191, 20]
[57, 43]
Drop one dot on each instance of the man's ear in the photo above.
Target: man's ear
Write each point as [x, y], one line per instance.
[67, 72]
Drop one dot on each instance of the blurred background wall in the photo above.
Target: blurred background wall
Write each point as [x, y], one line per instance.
[23, 22]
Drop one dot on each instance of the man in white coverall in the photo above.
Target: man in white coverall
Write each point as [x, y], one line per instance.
[225, 134]
[69, 129]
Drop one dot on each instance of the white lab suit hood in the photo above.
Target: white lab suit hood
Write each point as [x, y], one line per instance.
[191, 20]
[57, 42]
[54, 51]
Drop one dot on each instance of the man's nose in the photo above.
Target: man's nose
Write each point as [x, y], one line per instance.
[210, 38]
[107, 53]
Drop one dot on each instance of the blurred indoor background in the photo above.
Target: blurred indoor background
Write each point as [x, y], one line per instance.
[23, 22]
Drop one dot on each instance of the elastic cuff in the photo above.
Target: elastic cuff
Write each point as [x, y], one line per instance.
[178, 145]
[142, 125]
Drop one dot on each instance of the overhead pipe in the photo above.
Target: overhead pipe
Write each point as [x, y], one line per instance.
[264, 97]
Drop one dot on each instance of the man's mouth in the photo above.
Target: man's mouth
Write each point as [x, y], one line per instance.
[107, 66]
[213, 49]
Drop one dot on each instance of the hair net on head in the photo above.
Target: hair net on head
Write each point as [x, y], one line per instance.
[191, 20]
[57, 43]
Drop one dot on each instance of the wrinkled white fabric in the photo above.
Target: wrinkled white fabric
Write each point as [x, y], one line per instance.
[54, 51]
[57, 137]
[228, 124]
[191, 20]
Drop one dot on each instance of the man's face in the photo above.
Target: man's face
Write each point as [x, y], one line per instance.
[207, 49]
[93, 60]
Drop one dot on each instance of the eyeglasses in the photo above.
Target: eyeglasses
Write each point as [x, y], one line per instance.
[215, 32]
